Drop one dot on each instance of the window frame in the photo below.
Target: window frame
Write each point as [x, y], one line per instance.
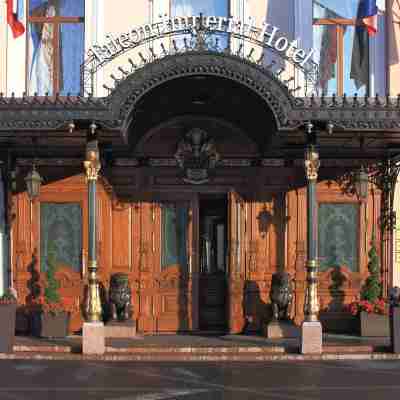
[57, 21]
[340, 23]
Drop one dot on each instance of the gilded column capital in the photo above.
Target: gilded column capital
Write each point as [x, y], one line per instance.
[311, 163]
[92, 163]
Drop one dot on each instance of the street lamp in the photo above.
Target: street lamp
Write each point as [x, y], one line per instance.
[33, 183]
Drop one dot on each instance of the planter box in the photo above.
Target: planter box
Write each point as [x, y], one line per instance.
[7, 327]
[395, 329]
[48, 325]
[374, 324]
[339, 322]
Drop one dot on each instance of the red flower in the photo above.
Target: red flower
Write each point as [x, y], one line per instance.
[378, 307]
[66, 304]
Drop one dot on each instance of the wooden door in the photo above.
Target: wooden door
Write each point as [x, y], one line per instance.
[165, 289]
[60, 237]
[237, 260]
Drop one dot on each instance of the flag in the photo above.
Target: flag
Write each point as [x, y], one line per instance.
[367, 14]
[329, 50]
[16, 26]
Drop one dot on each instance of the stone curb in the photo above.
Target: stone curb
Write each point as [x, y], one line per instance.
[185, 357]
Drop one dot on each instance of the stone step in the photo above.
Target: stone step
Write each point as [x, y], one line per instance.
[197, 350]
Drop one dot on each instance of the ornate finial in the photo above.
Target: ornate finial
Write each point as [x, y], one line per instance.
[345, 102]
[92, 128]
[329, 127]
[71, 126]
[355, 100]
[334, 100]
[377, 100]
[123, 72]
[133, 65]
[143, 59]
[114, 78]
[250, 55]
[309, 127]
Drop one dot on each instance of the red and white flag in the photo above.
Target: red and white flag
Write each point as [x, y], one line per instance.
[17, 27]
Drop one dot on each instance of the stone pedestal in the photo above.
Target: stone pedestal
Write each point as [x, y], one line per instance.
[281, 329]
[395, 329]
[311, 338]
[93, 340]
[124, 329]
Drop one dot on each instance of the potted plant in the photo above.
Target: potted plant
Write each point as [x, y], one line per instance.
[8, 308]
[371, 309]
[51, 312]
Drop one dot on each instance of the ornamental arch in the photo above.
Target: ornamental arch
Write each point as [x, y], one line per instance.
[132, 91]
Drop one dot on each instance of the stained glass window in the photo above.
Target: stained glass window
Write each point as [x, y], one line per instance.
[60, 235]
[56, 46]
[174, 220]
[338, 235]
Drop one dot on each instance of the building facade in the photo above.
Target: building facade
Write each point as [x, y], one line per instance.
[202, 112]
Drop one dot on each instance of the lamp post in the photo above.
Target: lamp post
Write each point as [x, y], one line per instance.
[92, 167]
[311, 327]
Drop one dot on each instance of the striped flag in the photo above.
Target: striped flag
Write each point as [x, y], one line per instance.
[15, 24]
[368, 15]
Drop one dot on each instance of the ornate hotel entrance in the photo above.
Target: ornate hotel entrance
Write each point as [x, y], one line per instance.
[199, 240]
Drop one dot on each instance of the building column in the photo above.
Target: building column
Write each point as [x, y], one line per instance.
[93, 341]
[311, 331]
[92, 167]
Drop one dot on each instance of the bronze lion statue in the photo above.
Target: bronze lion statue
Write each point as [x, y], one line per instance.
[281, 295]
[120, 297]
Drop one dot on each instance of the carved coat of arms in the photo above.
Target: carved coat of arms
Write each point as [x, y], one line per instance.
[197, 156]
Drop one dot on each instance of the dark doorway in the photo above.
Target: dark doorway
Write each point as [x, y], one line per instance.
[213, 263]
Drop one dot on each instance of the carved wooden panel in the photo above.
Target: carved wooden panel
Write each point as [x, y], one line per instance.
[121, 238]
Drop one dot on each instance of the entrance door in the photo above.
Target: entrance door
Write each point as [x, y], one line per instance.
[212, 263]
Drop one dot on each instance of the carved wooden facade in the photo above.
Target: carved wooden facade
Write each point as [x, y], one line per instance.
[259, 175]
[266, 232]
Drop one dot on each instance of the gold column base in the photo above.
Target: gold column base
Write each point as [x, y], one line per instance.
[311, 303]
[92, 308]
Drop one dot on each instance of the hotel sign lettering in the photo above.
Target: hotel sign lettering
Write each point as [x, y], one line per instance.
[267, 35]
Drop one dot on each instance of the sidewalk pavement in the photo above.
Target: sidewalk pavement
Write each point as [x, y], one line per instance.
[192, 347]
